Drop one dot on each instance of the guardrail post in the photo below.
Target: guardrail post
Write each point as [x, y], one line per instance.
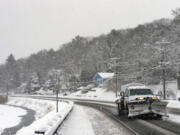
[57, 108]
[39, 132]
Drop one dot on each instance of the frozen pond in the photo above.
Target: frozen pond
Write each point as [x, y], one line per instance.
[10, 116]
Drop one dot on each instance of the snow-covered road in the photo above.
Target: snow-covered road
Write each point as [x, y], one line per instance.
[88, 121]
[77, 123]
[104, 125]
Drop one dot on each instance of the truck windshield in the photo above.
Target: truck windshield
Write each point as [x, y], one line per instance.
[140, 92]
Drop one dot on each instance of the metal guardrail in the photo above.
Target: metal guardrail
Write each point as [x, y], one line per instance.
[66, 98]
[53, 130]
[100, 102]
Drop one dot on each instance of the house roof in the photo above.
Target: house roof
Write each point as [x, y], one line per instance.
[106, 75]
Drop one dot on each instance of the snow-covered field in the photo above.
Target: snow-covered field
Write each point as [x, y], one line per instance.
[41, 107]
[96, 93]
[171, 89]
[47, 119]
[10, 116]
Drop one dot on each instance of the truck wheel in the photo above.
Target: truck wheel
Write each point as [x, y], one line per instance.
[127, 111]
[159, 116]
[119, 110]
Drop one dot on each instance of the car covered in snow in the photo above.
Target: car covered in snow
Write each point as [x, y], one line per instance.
[140, 100]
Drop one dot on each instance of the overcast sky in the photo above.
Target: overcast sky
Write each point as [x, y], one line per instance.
[27, 26]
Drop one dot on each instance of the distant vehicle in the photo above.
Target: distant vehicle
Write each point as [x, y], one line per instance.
[73, 88]
[84, 91]
[140, 100]
[65, 94]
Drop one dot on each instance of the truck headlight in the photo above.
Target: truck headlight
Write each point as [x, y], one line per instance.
[155, 98]
[139, 98]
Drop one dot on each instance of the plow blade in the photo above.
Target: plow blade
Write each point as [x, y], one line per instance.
[159, 108]
[138, 109]
[135, 109]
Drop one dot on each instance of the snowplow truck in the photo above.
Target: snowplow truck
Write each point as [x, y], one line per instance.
[140, 100]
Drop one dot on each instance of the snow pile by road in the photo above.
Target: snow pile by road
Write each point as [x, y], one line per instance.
[173, 104]
[171, 89]
[107, 96]
[95, 93]
[41, 107]
[47, 120]
[173, 108]
[6, 120]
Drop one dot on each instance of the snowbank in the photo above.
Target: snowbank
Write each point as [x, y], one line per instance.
[47, 120]
[95, 93]
[173, 104]
[171, 89]
[173, 108]
[41, 107]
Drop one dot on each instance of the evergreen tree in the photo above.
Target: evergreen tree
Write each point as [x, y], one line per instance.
[13, 73]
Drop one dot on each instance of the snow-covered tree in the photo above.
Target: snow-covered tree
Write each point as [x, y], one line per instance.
[33, 84]
[12, 71]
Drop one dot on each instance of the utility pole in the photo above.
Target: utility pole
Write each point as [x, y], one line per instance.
[178, 75]
[7, 88]
[164, 83]
[57, 91]
[163, 45]
[116, 81]
[116, 73]
[178, 84]
[57, 101]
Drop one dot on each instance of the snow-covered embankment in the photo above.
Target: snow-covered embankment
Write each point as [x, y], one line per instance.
[47, 120]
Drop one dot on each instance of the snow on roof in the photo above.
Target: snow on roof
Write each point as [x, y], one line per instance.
[137, 87]
[106, 75]
[133, 84]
